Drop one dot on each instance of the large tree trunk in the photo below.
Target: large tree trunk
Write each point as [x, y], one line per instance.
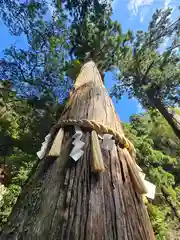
[65, 200]
[171, 118]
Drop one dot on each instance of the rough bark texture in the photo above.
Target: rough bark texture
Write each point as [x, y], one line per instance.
[65, 200]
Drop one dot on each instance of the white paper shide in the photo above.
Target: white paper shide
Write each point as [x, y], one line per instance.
[42, 152]
[77, 151]
[149, 186]
[107, 143]
[151, 189]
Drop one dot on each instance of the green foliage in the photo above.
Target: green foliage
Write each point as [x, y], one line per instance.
[158, 219]
[22, 130]
[9, 199]
[32, 91]
[21, 16]
[161, 177]
[160, 161]
[94, 35]
[13, 191]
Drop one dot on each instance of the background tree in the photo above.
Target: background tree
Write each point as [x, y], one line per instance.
[32, 91]
[150, 75]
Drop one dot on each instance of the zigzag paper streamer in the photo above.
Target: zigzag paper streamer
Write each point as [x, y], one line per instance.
[149, 186]
[107, 143]
[44, 145]
[77, 151]
[151, 189]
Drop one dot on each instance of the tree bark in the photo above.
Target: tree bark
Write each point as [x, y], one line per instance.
[65, 200]
[173, 122]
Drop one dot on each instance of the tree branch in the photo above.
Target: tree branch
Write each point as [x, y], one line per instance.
[146, 73]
[160, 35]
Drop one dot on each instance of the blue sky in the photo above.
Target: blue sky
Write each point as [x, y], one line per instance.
[132, 14]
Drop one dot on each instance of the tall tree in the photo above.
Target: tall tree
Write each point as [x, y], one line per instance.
[100, 188]
[57, 189]
[150, 75]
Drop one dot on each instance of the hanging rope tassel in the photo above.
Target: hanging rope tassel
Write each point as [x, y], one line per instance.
[134, 172]
[56, 146]
[97, 159]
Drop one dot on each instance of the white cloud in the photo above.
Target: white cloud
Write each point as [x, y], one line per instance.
[134, 5]
[167, 3]
[143, 14]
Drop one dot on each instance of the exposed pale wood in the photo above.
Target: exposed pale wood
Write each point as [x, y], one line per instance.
[137, 180]
[64, 200]
[97, 162]
[56, 146]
